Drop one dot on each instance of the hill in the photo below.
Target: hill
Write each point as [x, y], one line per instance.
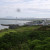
[25, 38]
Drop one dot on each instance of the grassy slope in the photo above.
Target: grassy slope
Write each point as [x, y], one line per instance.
[25, 38]
[20, 29]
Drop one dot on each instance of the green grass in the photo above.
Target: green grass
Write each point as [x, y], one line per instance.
[25, 38]
[20, 29]
[23, 28]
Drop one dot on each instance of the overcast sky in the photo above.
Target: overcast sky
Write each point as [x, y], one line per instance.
[28, 8]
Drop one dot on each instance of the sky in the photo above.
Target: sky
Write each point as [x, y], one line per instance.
[28, 8]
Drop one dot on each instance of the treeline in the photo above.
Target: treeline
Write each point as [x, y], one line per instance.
[25, 40]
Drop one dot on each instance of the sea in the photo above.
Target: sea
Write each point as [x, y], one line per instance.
[11, 22]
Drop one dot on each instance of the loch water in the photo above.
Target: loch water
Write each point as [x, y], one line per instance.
[11, 22]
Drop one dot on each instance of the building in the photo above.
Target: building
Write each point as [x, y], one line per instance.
[38, 22]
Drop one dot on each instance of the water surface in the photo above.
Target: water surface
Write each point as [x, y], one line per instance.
[11, 22]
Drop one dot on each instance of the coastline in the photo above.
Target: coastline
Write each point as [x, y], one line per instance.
[3, 27]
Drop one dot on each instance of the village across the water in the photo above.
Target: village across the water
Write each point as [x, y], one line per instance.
[26, 22]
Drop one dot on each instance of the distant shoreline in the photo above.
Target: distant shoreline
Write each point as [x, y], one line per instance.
[3, 27]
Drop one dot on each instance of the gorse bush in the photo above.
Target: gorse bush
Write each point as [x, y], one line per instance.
[25, 40]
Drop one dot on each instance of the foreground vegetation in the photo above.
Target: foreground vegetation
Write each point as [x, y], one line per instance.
[25, 38]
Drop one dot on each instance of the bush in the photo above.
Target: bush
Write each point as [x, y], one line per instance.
[25, 40]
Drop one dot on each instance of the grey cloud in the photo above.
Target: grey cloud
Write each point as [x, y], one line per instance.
[39, 10]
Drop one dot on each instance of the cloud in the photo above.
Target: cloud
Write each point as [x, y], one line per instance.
[40, 4]
[15, 0]
[40, 10]
[8, 7]
[10, 0]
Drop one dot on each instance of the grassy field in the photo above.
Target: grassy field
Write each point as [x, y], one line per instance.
[25, 38]
[20, 29]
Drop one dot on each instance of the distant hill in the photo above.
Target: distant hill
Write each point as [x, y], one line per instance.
[10, 17]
